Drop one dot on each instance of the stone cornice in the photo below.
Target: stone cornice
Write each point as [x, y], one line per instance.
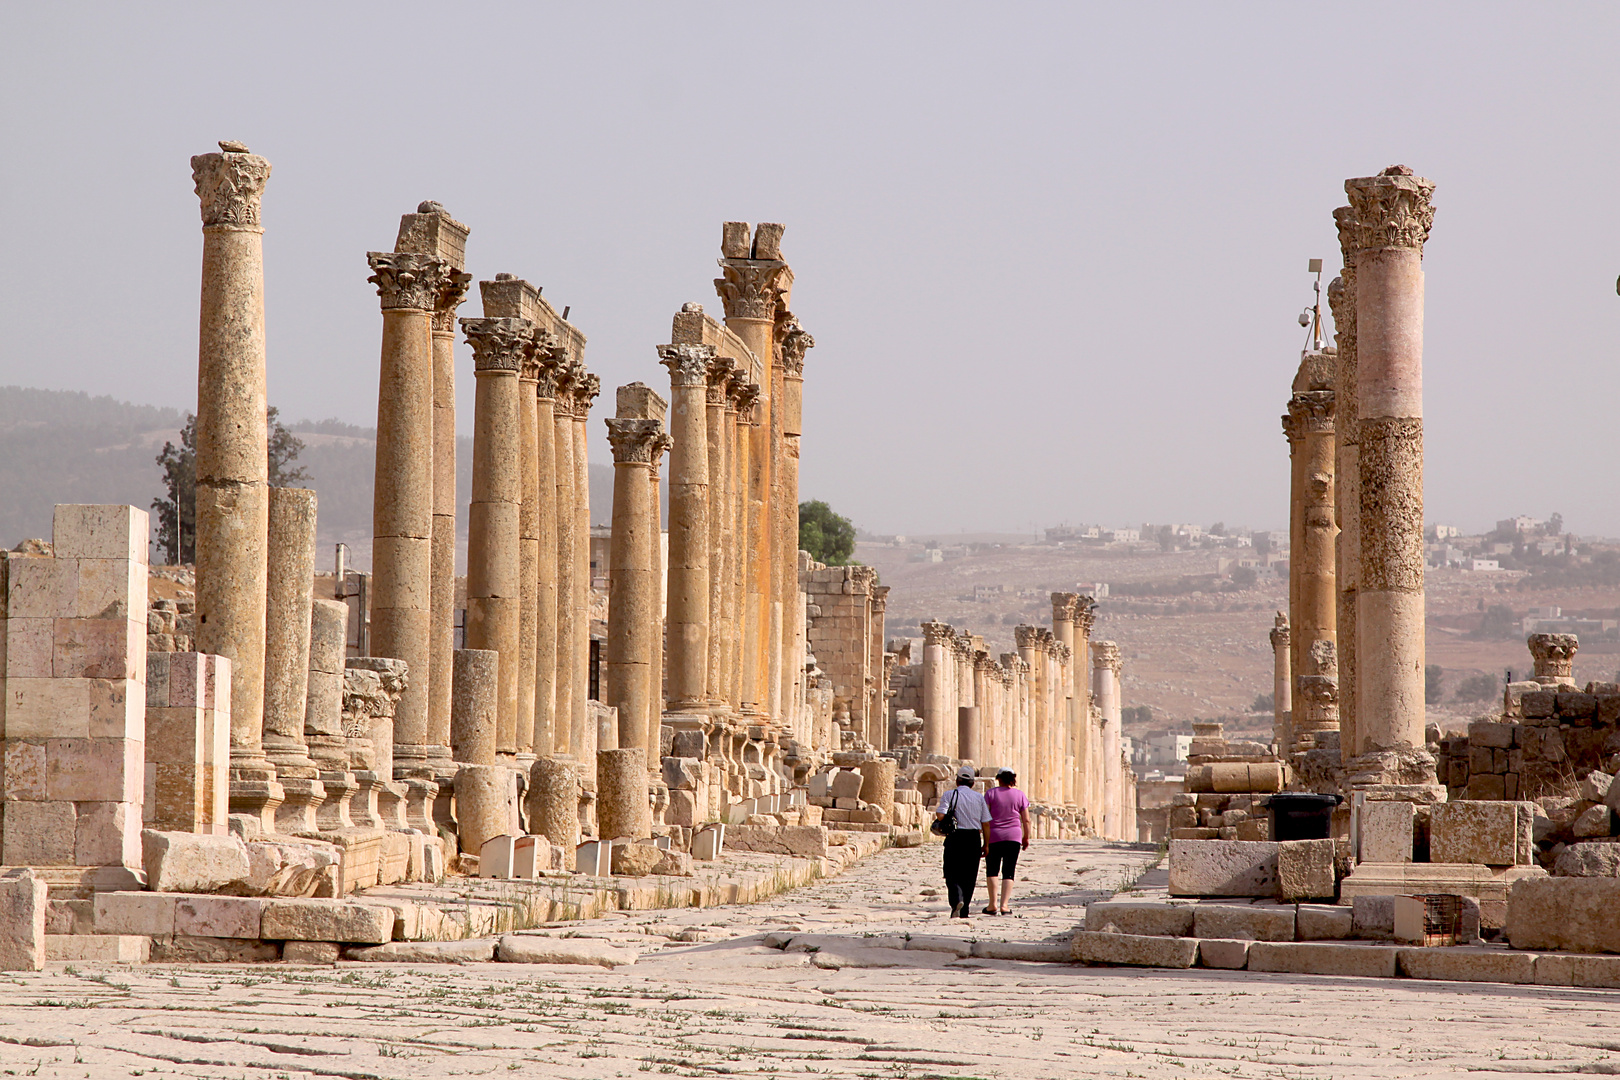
[1392, 210]
[407, 281]
[230, 184]
[634, 441]
[499, 344]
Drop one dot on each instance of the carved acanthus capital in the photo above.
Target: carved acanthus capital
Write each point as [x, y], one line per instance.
[408, 281]
[1062, 652]
[451, 293]
[937, 633]
[1105, 654]
[718, 381]
[688, 364]
[634, 441]
[1312, 412]
[1316, 697]
[1064, 606]
[795, 342]
[564, 373]
[550, 369]
[1392, 210]
[538, 357]
[1281, 633]
[1290, 428]
[587, 388]
[1085, 616]
[1344, 221]
[230, 184]
[499, 344]
[1026, 637]
[1554, 656]
[747, 395]
[750, 288]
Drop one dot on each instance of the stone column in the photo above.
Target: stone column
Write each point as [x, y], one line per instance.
[1318, 697]
[1105, 671]
[1061, 754]
[567, 566]
[877, 717]
[1347, 476]
[793, 342]
[717, 381]
[622, 805]
[323, 708]
[1282, 683]
[1313, 562]
[747, 397]
[494, 589]
[545, 589]
[754, 279]
[1296, 483]
[689, 598]
[1393, 215]
[632, 584]
[586, 389]
[529, 509]
[1553, 656]
[432, 231]
[476, 705]
[402, 507]
[936, 646]
[1085, 753]
[290, 594]
[1064, 606]
[660, 572]
[233, 501]
[1028, 640]
[553, 801]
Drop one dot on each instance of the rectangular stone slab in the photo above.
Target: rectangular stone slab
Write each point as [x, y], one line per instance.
[1567, 914]
[1223, 867]
[1313, 958]
[324, 920]
[1135, 949]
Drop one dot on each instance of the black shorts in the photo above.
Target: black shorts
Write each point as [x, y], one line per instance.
[1002, 859]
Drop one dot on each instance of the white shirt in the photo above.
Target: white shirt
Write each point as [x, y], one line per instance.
[971, 809]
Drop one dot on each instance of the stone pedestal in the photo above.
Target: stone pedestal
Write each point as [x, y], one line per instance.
[1392, 220]
[474, 706]
[623, 808]
[233, 502]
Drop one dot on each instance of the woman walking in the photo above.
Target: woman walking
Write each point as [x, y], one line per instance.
[964, 843]
[1007, 835]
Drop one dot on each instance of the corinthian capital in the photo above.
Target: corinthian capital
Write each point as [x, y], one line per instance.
[750, 287]
[587, 388]
[1027, 637]
[1064, 605]
[538, 358]
[1085, 614]
[718, 379]
[229, 184]
[1554, 657]
[499, 344]
[451, 294]
[1312, 412]
[688, 364]
[747, 394]
[937, 633]
[1105, 654]
[796, 341]
[634, 442]
[1344, 220]
[406, 280]
[1392, 209]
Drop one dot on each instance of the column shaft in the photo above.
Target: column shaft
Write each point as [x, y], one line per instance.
[632, 584]
[290, 595]
[688, 524]
[568, 615]
[529, 509]
[546, 596]
[1347, 475]
[584, 726]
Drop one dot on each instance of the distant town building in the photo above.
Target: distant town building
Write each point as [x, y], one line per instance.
[1116, 536]
[1483, 564]
[1521, 524]
[988, 592]
[1438, 533]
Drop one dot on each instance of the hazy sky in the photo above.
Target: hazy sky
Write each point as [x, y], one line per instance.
[1052, 255]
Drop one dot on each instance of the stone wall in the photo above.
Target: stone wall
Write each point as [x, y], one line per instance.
[1545, 741]
[840, 635]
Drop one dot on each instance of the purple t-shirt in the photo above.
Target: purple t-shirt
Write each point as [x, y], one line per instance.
[1006, 806]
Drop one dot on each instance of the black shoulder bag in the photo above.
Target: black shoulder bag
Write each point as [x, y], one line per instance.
[947, 824]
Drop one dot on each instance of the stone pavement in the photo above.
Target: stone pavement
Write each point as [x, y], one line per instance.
[709, 997]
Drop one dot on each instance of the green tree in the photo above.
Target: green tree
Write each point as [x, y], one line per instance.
[829, 537]
[1480, 687]
[1264, 703]
[1431, 684]
[177, 514]
[1244, 577]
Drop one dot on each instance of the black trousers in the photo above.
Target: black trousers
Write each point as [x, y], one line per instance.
[961, 866]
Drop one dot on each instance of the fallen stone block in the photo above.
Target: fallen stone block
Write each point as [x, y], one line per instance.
[311, 952]
[192, 862]
[1468, 965]
[70, 917]
[1305, 870]
[1134, 949]
[1597, 971]
[327, 920]
[189, 949]
[1324, 922]
[24, 902]
[287, 867]
[1314, 958]
[1034, 952]
[1472, 831]
[99, 948]
[1223, 867]
[1588, 860]
[538, 949]
[1227, 954]
[1566, 914]
[1140, 917]
[1243, 921]
[144, 914]
[477, 951]
[634, 860]
[674, 864]
[805, 841]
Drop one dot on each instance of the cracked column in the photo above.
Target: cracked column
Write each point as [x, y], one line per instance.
[688, 621]
[1282, 683]
[409, 286]
[1392, 220]
[1105, 671]
[432, 231]
[632, 583]
[1347, 476]
[500, 347]
[233, 501]
[754, 280]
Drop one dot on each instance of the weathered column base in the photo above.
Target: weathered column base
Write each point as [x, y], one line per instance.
[420, 803]
[623, 803]
[552, 801]
[333, 813]
[291, 759]
[1395, 767]
[256, 801]
[391, 804]
[412, 760]
[486, 804]
[363, 810]
[296, 814]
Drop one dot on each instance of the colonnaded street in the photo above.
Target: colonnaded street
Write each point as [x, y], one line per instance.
[873, 985]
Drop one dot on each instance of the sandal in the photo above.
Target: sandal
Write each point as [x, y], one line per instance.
[990, 911]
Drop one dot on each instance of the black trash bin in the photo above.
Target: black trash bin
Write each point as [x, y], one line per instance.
[1302, 815]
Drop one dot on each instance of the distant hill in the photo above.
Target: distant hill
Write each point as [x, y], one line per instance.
[61, 446]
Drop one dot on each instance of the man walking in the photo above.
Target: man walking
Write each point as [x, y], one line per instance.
[965, 844]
